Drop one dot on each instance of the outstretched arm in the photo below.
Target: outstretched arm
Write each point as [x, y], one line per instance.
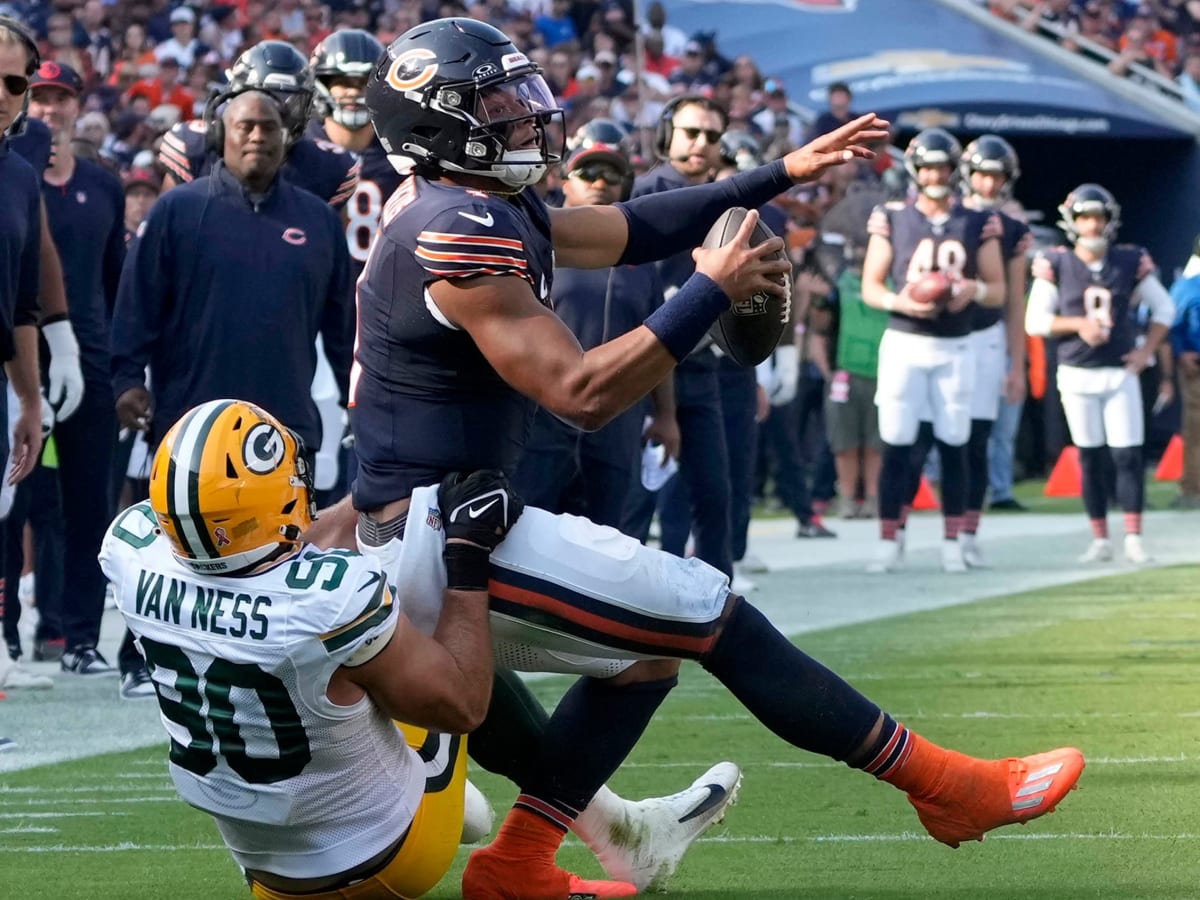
[659, 225]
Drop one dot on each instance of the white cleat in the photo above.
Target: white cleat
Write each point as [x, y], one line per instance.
[750, 565]
[953, 562]
[1135, 552]
[1099, 550]
[478, 817]
[971, 554]
[643, 842]
[19, 678]
[887, 557]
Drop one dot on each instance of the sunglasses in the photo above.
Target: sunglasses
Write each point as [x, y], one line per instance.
[592, 173]
[710, 134]
[16, 85]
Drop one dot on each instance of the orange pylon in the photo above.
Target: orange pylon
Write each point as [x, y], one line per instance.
[925, 499]
[1066, 479]
[1170, 467]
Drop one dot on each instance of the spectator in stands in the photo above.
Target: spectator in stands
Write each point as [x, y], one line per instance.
[674, 40]
[1185, 340]
[136, 47]
[60, 44]
[183, 45]
[691, 75]
[1146, 43]
[99, 39]
[1189, 78]
[656, 60]
[1091, 25]
[1047, 12]
[840, 98]
[556, 28]
[780, 124]
[164, 87]
[142, 187]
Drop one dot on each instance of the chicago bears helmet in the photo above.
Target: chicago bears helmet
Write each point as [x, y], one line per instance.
[450, 94]
[1090, 198]
[933, 147]
[231, 488]
[350, 53]
[990, 153]
[599, 131]
[280, 70]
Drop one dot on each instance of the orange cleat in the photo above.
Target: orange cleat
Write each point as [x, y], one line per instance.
[490, 877]
[973, 796]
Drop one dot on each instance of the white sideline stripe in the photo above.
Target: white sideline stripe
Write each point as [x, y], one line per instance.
[58, 815]
[901, 837]
[28, 829]
[79, 789]
[162, 798]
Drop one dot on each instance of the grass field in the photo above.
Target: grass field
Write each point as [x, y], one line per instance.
[1107, 665]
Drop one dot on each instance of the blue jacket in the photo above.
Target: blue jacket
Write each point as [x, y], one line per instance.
[20, 246]
[1185, 333]
[223, 295]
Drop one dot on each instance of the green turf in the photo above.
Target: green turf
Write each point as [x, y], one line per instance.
[1108, 665]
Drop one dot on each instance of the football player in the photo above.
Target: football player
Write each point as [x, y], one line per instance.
[989, 170]
[188, 151]
[1084, 295]
[279, 667]
[455, 347]
[924, 357]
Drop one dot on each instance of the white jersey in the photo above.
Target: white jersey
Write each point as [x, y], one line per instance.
[298, 786]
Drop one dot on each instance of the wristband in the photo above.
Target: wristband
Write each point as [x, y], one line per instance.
[981, 290]
[467, 567]
[889, 301]
[683, 320]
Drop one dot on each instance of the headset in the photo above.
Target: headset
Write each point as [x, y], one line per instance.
[666, 119]
[35, 61]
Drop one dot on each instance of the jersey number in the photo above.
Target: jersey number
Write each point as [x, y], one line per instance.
[215, 730]
[1097, 304]
[948, 257]
[362, 218]
[304, 573]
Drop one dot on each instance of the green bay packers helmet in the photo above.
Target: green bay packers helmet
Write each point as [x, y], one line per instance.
[231, 488]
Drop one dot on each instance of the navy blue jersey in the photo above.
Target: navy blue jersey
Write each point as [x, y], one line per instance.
[318, 167]
[35, 144]
[425, 401]
[919, 246]
[1015, 241]
[377, 180]
[1104, 293]
[223, 295]
[20, 246]
[87, 221]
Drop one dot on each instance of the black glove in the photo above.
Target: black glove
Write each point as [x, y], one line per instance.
[478, 507]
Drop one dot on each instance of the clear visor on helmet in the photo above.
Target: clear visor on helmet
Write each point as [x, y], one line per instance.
[518, 113]
[294, 106]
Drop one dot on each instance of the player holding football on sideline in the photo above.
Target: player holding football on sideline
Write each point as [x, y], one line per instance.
[1085, 297]
[924, 357]
[188, 150]
[456, 345]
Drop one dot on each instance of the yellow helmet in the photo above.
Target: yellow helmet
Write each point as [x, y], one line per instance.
[231, 488]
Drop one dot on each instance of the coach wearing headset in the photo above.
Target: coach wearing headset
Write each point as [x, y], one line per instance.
[688, 144]
[225, 291]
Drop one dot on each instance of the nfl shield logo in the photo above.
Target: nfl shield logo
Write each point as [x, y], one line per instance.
[433, 519]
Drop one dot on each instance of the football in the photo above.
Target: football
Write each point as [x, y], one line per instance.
[933, 289]
[749, 330]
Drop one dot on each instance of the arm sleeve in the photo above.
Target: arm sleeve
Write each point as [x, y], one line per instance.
[25, 311]
[337, 324]
[142, 295]
[1041, 309]
[663, 224]
[1151, 292]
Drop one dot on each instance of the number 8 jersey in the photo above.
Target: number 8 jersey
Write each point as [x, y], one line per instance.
[297, 785]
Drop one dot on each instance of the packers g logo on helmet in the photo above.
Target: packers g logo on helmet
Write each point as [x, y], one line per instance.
[231, 488]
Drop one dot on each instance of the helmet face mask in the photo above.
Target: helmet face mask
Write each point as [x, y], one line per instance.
[993, 155]
[933, 147]
[1090, 199]
[455, 95]
[345, 58]
[231, 488]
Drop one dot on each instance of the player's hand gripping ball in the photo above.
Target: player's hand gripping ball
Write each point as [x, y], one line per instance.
[749, 330]
[933, 289]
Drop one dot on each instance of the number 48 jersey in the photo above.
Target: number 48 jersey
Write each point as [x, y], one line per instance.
[297, 784]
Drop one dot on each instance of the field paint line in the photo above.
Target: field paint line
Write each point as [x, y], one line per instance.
[29, 829]
[81, 789]
[59, 815]
[906, 836]
[161, 775]
[161, 798]
[124, 847]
